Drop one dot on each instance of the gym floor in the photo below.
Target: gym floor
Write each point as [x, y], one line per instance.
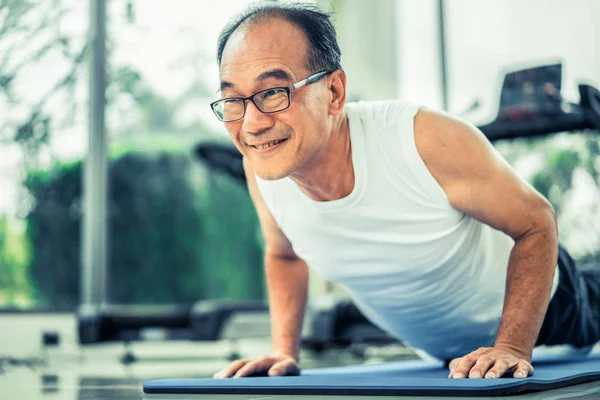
[67, 371]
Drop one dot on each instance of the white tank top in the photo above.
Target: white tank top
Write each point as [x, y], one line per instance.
[416, 267]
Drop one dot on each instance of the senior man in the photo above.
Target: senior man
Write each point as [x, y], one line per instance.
[411, 210]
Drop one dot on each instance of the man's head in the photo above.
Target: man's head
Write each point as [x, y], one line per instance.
[276, 45]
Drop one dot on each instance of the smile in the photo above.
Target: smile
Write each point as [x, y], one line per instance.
[267, 145]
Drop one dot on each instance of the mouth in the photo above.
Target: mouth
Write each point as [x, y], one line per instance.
[268, 145]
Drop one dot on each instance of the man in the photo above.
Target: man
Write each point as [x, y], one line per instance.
[437, 240]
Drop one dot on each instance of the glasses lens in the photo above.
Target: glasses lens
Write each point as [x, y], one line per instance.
[272, 100]
[229, 109]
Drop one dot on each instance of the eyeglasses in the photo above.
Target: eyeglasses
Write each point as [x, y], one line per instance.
[268, 101]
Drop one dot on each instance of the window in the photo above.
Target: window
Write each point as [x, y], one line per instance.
[178, 232]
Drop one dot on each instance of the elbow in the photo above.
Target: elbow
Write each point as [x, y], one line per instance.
[280, 254]
[547, 224]
[542, 225]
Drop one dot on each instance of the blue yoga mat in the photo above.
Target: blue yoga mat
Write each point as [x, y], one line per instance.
[409, 378]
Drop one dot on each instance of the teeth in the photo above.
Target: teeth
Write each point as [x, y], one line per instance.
[267, 145]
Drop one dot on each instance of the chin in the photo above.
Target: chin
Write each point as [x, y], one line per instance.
[267, 174]
[270, 170]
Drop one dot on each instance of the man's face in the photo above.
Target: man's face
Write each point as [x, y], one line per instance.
[264, 55]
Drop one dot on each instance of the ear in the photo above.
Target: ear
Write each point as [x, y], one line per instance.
[337, 91]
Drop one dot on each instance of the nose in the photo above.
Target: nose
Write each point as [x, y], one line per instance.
[255, 121]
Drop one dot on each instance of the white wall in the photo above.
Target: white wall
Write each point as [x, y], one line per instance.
[367, 38]
[418, 61]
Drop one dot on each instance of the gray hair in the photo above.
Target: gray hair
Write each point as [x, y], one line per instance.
[323, 49]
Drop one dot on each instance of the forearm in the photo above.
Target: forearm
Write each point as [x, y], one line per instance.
[530, 275]
[287, 284]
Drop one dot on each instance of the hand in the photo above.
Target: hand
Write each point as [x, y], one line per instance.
[273, 365]
[490, 362]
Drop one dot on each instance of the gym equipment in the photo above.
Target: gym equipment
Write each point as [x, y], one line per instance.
[96, 324]
[209, 320]
[332, 324]
[405, 378]
[590, 102]
[222, 158]
[204, 321]
[338, 323]
[531, 104]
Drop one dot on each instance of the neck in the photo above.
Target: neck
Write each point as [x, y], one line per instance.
[329, 175]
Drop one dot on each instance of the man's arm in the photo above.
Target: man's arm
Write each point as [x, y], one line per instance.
[287, 285]
[479, 182]
[286, 275]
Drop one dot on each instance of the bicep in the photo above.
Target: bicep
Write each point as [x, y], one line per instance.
[276, 241]
[475, 177]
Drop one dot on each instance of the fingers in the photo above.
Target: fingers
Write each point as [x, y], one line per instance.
[463, 366]
[254, 367]
[285, 367]
[231, 369]
[490, 363]
[523, 370]
[461, 362]
[273, 366]
[481, 367]
[500, 367]
[453, 364]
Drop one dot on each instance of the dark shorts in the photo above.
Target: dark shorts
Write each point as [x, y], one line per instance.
[573, 316]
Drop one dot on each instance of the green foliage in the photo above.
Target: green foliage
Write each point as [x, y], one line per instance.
[558, 174]
[177, 235]
[559, 156]
[232, 223]
[53, 231]
[14, 289]
[552, 165]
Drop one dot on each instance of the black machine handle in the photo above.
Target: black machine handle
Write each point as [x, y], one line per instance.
[590, 102]
[125, 323]
[222, 157]
[538, 125]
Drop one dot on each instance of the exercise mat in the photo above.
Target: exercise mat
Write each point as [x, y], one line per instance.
[405, 378]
